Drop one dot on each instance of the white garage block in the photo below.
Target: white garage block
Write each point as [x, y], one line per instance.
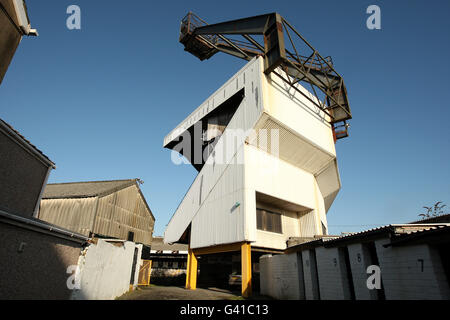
[412, 272]
[281, 277]
[333, 279]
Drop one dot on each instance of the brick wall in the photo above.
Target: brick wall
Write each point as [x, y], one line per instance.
[34, 265]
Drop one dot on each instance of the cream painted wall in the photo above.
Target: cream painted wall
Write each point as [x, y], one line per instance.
[272, 176]
[295, 111]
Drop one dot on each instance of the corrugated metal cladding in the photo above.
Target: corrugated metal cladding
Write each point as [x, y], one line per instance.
[76, 215]
[124, 211]
[220, 218]
[307, 224]
[292, 147]
[113, 215]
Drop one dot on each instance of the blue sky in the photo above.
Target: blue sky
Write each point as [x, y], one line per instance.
[99, 101]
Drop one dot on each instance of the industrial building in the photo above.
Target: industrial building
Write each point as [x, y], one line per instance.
[264, 148]
[106, 209]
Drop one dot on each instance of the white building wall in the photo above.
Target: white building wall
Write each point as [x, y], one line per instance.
[282, 277]
[105, 270]
[412, 272]
[359, 261]
[333, 279]
[226, 210]
[218, 217]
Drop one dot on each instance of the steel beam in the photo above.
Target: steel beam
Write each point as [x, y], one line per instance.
[251, 25]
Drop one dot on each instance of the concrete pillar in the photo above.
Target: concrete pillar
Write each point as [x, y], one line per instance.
[246, 267]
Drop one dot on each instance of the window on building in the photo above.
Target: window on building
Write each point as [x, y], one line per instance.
[130, 236]
[170, 264]
[268, 221]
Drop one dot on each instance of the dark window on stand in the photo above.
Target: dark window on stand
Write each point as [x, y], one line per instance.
[268, 221]
[130, 236]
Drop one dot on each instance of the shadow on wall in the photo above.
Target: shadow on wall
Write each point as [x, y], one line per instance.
[34, 265]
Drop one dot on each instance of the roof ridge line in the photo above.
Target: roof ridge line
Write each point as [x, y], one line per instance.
[96, 181]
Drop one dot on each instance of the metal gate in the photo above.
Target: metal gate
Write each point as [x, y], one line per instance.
[144, 273]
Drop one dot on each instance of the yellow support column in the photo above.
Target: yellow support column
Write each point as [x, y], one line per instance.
[188, 268]
[191, 272]
[246, 269]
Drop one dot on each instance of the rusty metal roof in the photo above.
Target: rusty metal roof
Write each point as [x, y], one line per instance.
[89, 189]
[85, 189]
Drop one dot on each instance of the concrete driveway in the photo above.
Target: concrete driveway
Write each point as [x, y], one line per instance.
[179, 293]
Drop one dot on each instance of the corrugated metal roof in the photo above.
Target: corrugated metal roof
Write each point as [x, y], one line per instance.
[395, 230]
[84, 189]
[26, 143]
[443, 218]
